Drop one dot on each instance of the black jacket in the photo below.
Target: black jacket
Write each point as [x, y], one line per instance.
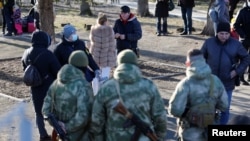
[161, 8]
[242, 23]
[63, 50]
[186, 3]
[47, 64]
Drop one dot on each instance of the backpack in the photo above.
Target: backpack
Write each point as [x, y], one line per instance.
[203, 114]
[31, 76]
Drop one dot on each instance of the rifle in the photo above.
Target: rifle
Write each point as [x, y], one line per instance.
[141, 127]
[57, 128]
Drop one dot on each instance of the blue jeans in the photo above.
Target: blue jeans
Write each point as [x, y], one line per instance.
[225, 115]
[187, 18]
[161, 28]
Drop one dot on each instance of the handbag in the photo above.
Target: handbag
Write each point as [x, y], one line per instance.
[171, 5]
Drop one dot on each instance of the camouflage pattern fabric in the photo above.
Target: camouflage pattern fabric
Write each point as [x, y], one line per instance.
[192, 90]
[73, 98]
[140, 96]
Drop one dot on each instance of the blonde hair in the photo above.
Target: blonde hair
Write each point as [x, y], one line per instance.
[102, 18]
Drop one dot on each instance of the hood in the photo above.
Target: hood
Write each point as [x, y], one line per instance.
[41, 39]
[199, 69]
[130, 18]
[127, 73]
[69, 73]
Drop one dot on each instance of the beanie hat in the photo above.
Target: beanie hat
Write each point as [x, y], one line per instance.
[68, 30]
[223, 26]
[78, 58]
[40, 38]
[127, 56]
[125, 9]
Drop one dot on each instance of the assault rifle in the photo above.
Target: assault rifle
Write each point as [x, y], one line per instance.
[57, 128]
[133, 119]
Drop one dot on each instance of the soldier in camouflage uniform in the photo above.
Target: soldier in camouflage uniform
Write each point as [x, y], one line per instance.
[70, 98]
[191, 91]
[139, 95]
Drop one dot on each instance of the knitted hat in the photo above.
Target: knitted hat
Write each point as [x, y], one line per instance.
[127, 56]
[125, 9]
[223, 26]
[40, 38]
[68, 30]
[78, 58]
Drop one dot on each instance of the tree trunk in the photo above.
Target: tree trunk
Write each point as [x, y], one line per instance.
[85, 8]
[208, 28]
[143, 8]
[45, 8]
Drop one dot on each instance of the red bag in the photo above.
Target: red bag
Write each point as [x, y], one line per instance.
[31, 27]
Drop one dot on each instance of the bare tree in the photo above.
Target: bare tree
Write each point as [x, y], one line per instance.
[45, 8]
[143, 8]
[208, 28]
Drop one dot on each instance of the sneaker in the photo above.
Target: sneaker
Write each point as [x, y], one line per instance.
[8, 34]
[45, 138]
[244, 82]
[184, 33]
[158, 34]
[248, 79]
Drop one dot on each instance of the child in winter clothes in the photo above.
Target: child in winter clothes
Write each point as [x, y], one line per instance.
[17, 19]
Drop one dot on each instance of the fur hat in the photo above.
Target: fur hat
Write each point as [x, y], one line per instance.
[127, 56]
[78, 58]
[223, 26]
[68, 30]
[125, 9]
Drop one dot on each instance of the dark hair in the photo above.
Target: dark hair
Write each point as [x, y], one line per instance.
[193, 52]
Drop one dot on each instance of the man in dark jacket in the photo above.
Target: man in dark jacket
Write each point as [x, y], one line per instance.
[222, 53]
[242, 27]
[48, 66]
[127, 31]
[186, 12]
[71, 42]
[161, 12]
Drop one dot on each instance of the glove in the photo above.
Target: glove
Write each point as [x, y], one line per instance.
[98, 74]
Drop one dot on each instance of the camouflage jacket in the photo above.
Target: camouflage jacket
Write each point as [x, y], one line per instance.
[195, 87]
[71, 97]
[140, 96]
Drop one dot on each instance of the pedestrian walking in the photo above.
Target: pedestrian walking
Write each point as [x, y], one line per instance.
[140, 96]
[228, 59]
[196, 99]
[127, 31]
[7, 8]
[48, 66]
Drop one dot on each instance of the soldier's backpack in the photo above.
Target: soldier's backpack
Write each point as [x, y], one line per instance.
[203, 114]
[31, 76]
